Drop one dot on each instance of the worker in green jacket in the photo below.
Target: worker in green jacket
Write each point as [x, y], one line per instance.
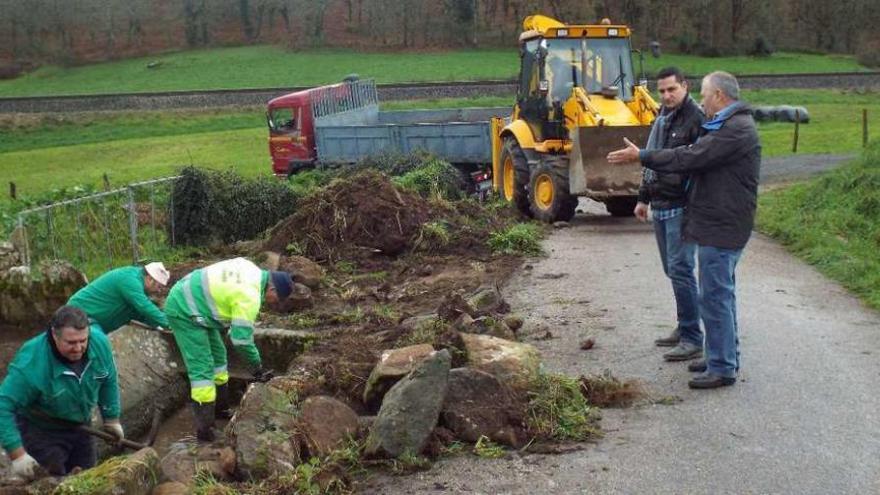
[53, 384]
[224, 295]
[121, 295]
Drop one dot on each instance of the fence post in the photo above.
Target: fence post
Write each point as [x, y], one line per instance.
[12, 193]
[797, 125]
[23, 233]
[132, 225]
[864, 128]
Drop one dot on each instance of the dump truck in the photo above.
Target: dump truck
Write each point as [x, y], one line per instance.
[577, 98]
[338, 124]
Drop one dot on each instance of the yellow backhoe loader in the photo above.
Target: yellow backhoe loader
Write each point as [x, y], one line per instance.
[577, 98]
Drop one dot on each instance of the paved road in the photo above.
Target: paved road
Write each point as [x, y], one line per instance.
[803, 418]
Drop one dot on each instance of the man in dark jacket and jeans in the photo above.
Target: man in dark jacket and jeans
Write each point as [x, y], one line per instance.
[722, 197]
[677, 125]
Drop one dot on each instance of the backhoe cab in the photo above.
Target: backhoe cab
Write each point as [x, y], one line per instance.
[577, 98]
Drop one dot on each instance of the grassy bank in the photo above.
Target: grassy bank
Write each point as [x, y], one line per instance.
[833, 222]
[270, 66]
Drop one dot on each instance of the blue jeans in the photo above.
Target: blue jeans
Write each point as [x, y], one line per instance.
[678, 261]
[718, 308]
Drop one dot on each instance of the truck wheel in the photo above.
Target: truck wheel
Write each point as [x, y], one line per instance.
[515, 176]
[549, 195]
[621, 207]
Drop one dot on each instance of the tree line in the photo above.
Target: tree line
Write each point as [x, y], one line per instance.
[79, 31]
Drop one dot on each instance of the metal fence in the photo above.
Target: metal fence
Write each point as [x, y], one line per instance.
[354, 95]
[102, 230]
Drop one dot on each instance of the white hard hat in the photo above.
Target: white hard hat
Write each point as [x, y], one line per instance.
[158, 272]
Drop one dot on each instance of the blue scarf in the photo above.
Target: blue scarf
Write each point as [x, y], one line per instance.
[724, 114]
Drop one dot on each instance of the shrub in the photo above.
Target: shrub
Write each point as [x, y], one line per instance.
[868, 52]
[223, 206]
[761, 47]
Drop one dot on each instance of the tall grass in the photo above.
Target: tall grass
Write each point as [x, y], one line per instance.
[833, 223]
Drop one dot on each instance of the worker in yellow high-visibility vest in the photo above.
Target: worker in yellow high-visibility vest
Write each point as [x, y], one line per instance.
[224, 295]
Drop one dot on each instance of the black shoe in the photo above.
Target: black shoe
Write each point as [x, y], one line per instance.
[670, 341]
[697, 366]
[203, 414]
[222, 410]
[684, 352]
[707, 380]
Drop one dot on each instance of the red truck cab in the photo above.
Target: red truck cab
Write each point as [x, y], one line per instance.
[291, 132]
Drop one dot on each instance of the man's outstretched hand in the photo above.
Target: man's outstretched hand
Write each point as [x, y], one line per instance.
[629, 154]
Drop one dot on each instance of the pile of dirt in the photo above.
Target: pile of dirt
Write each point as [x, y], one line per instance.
[365, 213]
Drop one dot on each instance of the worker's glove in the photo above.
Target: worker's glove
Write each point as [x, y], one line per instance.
[23, 468]
[114, 428]
[261, 375]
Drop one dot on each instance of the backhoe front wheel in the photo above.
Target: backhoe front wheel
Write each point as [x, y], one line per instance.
[515, 175]
[549, 196]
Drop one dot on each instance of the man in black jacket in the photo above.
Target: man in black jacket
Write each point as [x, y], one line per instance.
[677, 125]
[722, 197]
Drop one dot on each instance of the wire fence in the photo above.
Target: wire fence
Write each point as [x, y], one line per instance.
[103, 230]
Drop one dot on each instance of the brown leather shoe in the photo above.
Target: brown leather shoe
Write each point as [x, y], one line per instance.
[697, 366]
[708, 380]
[670, 341]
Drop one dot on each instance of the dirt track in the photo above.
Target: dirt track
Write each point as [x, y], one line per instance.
[802, 419]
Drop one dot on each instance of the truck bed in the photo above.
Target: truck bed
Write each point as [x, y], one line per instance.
[455, 135]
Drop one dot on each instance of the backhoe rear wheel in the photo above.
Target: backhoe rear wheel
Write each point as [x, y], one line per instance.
[515, 175]
[549, 193]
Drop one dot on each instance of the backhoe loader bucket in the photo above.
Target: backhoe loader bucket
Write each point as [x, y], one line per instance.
[589, 171]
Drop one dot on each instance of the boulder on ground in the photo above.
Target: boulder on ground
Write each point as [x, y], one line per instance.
[184, 460]
[29, 295]
[262, 431]
[326, 424]
[488, 300]
[300, 298]
[393, 365]
[411, 409]
[269, 260]
[514, 364]
[171, 488]
[477, 405]
[303, 270]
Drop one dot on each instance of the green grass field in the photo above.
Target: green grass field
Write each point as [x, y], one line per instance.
[833, 222]
[270, 66]
[43, 153]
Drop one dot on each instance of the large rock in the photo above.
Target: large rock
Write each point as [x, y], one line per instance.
[514, 364]
[269, 260]
[487, 300]
[326, 424]
[29, 296]
[393, 365]
[300, 298]
[172, 488]
[477, 404]
[184, 460]
[152, 377]
[9, 256]
[262, 431]
[410, 410]
[136, 474]
[303, 271]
